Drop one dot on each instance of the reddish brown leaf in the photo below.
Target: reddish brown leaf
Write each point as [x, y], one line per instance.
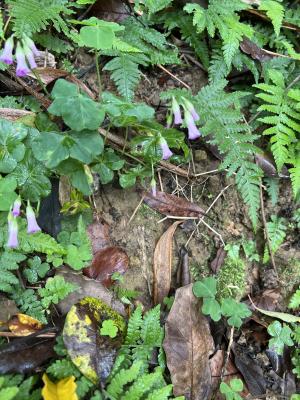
[98, 232]
[162, 267]
[268, 299]
[188, 345]
[257, 53]
[267, 164]
[169, 204]
[23, 325]
[218, 261]
[105, 263]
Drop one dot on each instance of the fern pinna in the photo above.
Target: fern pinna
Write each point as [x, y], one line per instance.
[281, 106]
[221, 118]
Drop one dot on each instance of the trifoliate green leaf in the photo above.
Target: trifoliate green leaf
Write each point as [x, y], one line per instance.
[205, 288]
[281, 335]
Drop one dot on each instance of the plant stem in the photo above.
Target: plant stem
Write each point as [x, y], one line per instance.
[97, 57]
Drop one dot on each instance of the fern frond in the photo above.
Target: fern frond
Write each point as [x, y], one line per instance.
[125, 73]
[275, 11]
[125, 376]
[282, 115]
[295, 300]
[142, 386]
[61, 369]
[9, 261]
[154, 6]
[134, 327]
[273, 189]
[222, 15]
[29, 304]
[31, 16]
[161, 394]
[277, 232]
[295, 176]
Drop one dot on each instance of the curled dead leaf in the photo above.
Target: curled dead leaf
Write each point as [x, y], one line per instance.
[23, 325]
[105, 263]
[188, 345]
[98, 232]
[168, 204]
[13, 114]
[162, 268]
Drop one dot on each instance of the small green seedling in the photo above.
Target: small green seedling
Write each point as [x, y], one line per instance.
[281, 336]
[231, 391]
[109, 328]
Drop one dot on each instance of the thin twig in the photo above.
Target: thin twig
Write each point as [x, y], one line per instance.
[227, 352]
[11, 334]
[206, 212]
[173, 76]
[135, 210]
[267, 237]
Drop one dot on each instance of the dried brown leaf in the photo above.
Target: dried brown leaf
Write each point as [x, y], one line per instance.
[218, 261]
[105, 263]
[168, 204]
[162, 267]
[98, 232]
[13, 114]
[188, 345]
[257, 53]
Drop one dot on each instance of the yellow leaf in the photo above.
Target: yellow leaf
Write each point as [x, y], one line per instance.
[65, 389]
[23, 325]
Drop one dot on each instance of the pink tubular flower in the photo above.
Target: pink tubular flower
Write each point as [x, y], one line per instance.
[12, 241]
[16, 207]
[7, 56]
[32, 226]
[30, 57]
[192, 128]
[22, 67]
[167, 153]
[176, 112]
[30, 43]
[191, 109]
[153, 187]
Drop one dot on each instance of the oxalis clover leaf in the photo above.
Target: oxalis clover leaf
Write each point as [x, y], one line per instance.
[77, 109]
[109, 328]
[7, 192]
[281, 336]
[207, 289]
[231, 391]
[235, 311]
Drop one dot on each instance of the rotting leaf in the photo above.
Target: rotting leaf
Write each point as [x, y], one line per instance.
[257, 53]
[168, 204]
[188, 345]
[62, 390]
[279, 315]
[92, 353]
[106, 262]
[98, 232]
[23, 325]
[162, 267]
[24, 355]
[218, 261]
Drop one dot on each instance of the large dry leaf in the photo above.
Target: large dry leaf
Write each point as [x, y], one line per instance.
[13, 114]
[61, 390]
[169, 204]
[162, 267]
[98, 232]
[188, 345]
[106, 262]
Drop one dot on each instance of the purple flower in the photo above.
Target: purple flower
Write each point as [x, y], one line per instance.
[22, 67]
[167, 153]
[191, 109]
[192, 128]
[12, 241]
[32, 226]
[30, 43]
[30, 57]
[7, 56]
[176, 112]
[16, 207]
[153, 187]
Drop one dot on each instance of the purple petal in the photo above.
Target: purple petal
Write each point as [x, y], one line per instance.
[192, 128]
[176, 112]
[31, 60]
[22, 67]
[32, 46]
[191, 109]
[16, 207]
[32, 226]
[7, 56]
[153, 187]
[12, 241]
[167, 153]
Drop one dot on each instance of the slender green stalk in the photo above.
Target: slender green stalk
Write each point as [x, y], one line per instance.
[97, 58]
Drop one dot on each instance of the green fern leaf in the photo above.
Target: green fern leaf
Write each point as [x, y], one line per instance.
[134, 327]
[161, 394]
[275, 11]
[295, 300]
[125, 73]
[154, 6]
[9, 261]
[142, 385]
[61, 369]
[273, 189]
[55, 290]
[277, 232]
[31, 16]
[29, 304]
[125, 376]
[282, 115]
[295, 176]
